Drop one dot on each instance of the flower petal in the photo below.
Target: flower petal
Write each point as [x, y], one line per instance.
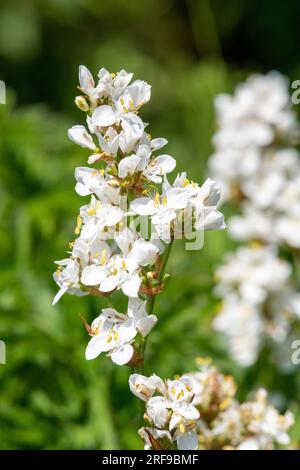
[94, 348]
[143, 206]
[166, 163]
[187, 441]
[86, 80]
[122, 355]
[80, 136]
[146, 324]
[92, 275]
[103, 116]
[128, 166]
[131, 286]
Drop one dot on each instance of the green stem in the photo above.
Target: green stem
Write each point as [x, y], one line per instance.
[150, 305]
[140, 368]
[165, 260]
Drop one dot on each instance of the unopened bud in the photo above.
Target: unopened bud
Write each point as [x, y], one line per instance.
[150, 275]
[166, 277]
[113, 170]
[94, 158]
[82, 103]
[148, 419]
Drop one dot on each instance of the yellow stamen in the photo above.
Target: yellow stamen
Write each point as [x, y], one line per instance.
[91, 211]
[58, 271]
[224, 404]
[203, 361]
[156, 200]
[164, 200]
[78, 225]
[182, 428]
[103, 257]
[255, 245]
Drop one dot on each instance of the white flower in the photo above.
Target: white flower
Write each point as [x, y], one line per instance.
[128, 166]
[205, 201]
[120, 80]
[138, 312]
[255, 273]
[287, 229]
[145, 387]
[152, 168]
[259, 106]
[171, 410]
[258, 115]
[91, 181]
[135, 253]
[252, 225]
[113, 336]
[122, 111]
[228, 424]
[87, 84]
[67, 277]
[98, 215]
[162, 207]
[80, 136]
[266, 423]
[132, 132]
[114, 332]
[210, 387]
[109, 141]
[242, 323]
[108, 84]
[121, 270]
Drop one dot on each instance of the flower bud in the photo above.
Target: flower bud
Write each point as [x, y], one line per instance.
[82, 103]
[151, 275]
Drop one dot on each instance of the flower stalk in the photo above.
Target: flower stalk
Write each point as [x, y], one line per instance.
[111, 252]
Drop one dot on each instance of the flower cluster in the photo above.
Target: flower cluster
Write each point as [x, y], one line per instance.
[169, 411]
[128, 181]
[260, 301]
[258, 168]
[199, 410]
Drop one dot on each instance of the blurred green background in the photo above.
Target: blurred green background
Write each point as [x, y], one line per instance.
[189, 50]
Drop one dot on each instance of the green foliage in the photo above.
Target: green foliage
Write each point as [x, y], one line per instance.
[50, 397]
